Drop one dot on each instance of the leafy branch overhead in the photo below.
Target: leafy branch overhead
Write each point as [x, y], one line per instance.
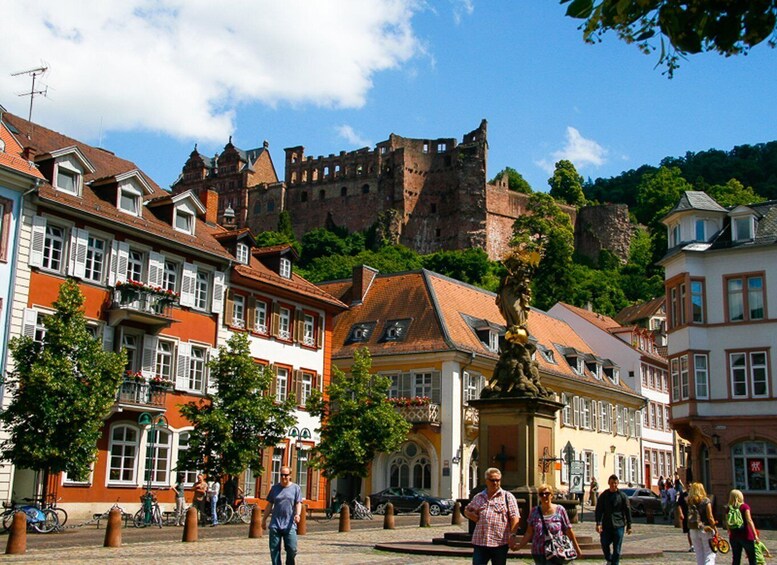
[683, 27]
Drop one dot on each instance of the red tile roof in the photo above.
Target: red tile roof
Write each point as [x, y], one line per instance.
[296, 285]
[599, 320]
[642, 311]
[11, 156]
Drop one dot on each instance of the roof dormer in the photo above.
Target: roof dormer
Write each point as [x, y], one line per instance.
[69, 167]
[743, 223]
[186, 208]
[131, 187]
[278, 258]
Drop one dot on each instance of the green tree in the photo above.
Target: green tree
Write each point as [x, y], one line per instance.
[733, 193]
[549, 227]
[284, 234]
[470, 266]
[515, 180]
[357, 421]
[683, 26]
[566, 185]
[233, 426]
[62, 389]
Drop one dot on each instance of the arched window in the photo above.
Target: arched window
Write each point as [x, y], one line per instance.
[410, 467]
[189, 476]
[365, 189]
[158, 463]
[321, 194]
[124, 451]
[303, 197]
[257, 208]
[755, 466]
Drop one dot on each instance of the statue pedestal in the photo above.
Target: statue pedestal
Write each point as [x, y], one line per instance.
[514, 435]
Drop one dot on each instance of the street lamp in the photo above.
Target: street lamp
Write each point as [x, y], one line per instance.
[158, 422]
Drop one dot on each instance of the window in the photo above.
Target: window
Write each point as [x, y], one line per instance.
[675, 379]
[238, 311]
[284, 324]
[242, 253]
[129, 342]
[277, 463]
[473, 385]
[493, 341]
[605, 418]
[170, 276]
[675, 237]
[189, 476]
[308, 331]
[158, 449]
[281, 384]
[697, 302]
[123, 449]
[306, 387]
[285, 271]
[184, 221]
[129, 200]
[441, 147]
[95, 259]
[700, 231]
[53, 248]
[360, 332]
[135, 262]
[260, 321]
[201, 290]
[567, 410]
[684, 384]
[701, 378]
[422, 385]
[586, 405]
[196, 377]
[395, 330]
[67, 180]
[743, 228]
[302, 470]
[749, 374]
[270, 206]
[755, 466]
[163, 367]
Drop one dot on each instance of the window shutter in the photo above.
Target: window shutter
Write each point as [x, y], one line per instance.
[211, 387]
[275, 319]
[188, 285]
[320, 332]
[299, 318]
[638, 423]
[148, 368]
[37, 241]
[595, 466]
[30, 320]
[156, 268]
[594, 415]
[266, 472]
[217, 303]
[108, 333]
[576, 410]
[314, 478]
[251, 313]
[274, 380]
[119, 262]
[230, 308]
[297, 385]
[436, 378]
[79, 240]
[182, 366]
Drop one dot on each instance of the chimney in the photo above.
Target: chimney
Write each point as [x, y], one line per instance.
[210, 198]
[362, 280]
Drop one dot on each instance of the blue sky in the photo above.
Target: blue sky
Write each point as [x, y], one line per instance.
[149, 79]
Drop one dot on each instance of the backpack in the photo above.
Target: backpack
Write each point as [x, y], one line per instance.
[734, 520]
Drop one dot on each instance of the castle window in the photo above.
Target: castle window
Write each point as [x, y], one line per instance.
[434, 207]
[326, 171]
[304, 176]
[359, 169]
[343, 191]
[441, 147]
[270, 206]
[303, 197]
[437, 233]
[426, 148]
[293, 177]
[366, 189]
[321, 194]
[337, 169]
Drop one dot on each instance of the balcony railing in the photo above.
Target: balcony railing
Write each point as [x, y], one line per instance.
[141, 305]
[133, 393]
[426, 414]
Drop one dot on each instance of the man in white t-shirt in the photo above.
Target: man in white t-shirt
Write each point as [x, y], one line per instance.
[214, 489]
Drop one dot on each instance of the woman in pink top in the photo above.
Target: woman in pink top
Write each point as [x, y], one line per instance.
[746, 536]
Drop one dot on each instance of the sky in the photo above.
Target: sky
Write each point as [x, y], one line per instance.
[150, 79]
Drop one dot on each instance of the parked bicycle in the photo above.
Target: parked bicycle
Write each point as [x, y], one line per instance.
[39, 520]
[224, 512]
[358, 510]
[149, 514]
[50, 502]
[244, 511]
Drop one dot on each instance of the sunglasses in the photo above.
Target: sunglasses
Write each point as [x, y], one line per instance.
[494, 480]
[286, 475]
[543, 494]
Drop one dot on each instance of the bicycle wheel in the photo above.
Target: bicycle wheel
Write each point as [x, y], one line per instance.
[244, 512]
[61, 516]
[49, 523]
[224, 514]
[8, 519]
[138, 519]
[156, 516]
[723, 546]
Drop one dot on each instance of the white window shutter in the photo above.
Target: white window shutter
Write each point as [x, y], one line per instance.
[108, 333]
[436, 383]
[148, 368]
[217, 303]
[188, 284]
[156, 268]
[212, 388]
[595, 466]
[595, 415]
[182, 367]
[79, 239]
[119, 262]
[30, 320]
[37, 241]
[576, 410]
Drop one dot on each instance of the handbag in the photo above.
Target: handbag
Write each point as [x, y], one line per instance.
[558, 548]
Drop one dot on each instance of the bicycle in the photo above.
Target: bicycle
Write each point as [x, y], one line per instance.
[149, 514]
[358, 510]
[718, 544]
[51, 503]
[224, 512]
[39, 520]
[244, 511]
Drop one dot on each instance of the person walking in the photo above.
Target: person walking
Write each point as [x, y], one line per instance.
[495, 513]
[284, 504]
[593, 495]
[200, 490]
[613, 515]
[746, 535]
[214, 490]
[180, 500]
[671, 501]
[682, 505]
[701, 524]
[545, 514]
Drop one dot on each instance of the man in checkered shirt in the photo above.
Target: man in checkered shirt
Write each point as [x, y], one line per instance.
[495, 513]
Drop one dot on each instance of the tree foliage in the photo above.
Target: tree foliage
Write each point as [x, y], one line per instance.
[683, 27]
[566, 184]
[284, 234]
[232, 427]
[62, 389]
[515, 180]
[357, 420]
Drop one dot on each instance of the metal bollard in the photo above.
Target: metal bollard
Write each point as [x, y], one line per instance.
[345, 519]
[113, 529]
[426, 517]
[388, 517]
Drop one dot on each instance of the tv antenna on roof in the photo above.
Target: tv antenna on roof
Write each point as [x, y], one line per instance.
[34, 73]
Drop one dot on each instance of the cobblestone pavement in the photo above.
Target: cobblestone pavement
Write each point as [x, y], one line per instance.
[323, 546]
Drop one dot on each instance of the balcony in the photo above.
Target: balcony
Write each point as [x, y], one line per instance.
[146, 306]
[140, 395]
[424, 414]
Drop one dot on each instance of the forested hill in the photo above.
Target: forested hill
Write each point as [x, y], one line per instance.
[754, 166]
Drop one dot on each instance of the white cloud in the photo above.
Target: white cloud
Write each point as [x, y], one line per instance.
[182, 67]
[581, 151]
[462, 8]
[355, 139]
